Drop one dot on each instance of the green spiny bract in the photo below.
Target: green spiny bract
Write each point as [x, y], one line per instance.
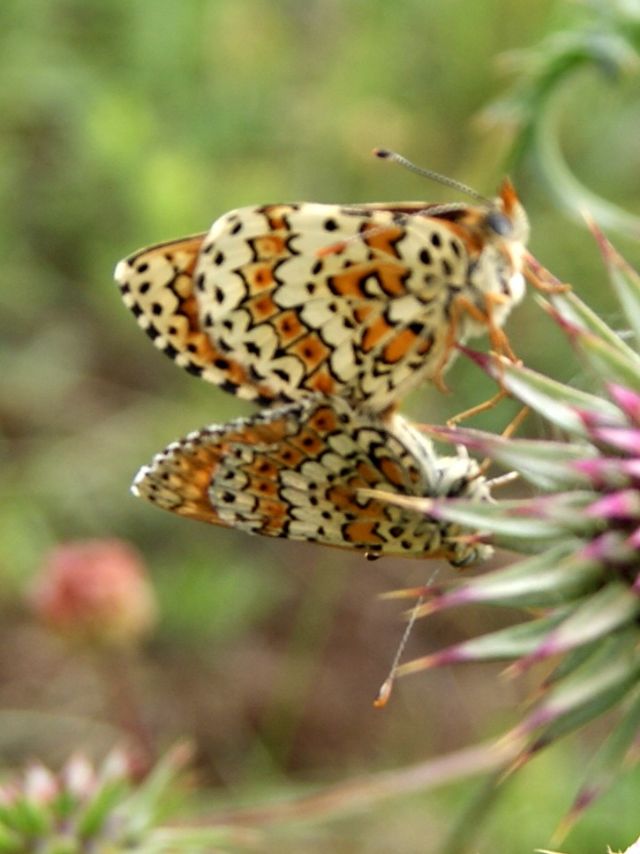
[580, 534]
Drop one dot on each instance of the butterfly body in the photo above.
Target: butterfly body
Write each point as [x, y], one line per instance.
[364, 302]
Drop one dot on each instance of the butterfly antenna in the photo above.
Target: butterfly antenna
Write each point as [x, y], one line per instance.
[382, 697]
[503, 480]
[385, 154]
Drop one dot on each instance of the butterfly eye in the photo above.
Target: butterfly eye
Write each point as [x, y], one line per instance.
[499, 223]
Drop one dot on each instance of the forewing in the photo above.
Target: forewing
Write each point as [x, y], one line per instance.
[157, 285]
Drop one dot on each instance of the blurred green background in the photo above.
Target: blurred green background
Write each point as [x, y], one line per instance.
[126, 123]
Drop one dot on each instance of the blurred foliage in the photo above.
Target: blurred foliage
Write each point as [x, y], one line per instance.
[127, 123]
[607, 40]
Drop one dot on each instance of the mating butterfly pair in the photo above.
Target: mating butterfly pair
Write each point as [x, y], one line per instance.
[333, 310]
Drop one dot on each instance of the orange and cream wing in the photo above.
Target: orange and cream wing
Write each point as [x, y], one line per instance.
[157, 285]
[300, 472]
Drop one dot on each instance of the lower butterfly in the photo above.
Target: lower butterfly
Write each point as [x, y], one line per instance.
[302, 472]
[361, 301]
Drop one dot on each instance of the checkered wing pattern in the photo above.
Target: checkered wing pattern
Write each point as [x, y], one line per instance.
[299, 472]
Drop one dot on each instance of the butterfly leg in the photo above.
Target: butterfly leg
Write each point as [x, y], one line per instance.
[476, 410]
[458, 307]
[463, 305]
[541, 279]
[508, 431]
[499, 343]
[497, 336]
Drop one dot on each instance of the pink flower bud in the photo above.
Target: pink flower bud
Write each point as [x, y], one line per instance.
[95, 591]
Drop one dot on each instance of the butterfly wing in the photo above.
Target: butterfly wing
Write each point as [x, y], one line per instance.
[157, 285]
[340, 300]
[298, 472]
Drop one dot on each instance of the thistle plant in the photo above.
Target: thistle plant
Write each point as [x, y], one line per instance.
[96, 809]
[580, 534]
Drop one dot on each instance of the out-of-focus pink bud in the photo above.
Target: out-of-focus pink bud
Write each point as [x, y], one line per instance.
[95, 591]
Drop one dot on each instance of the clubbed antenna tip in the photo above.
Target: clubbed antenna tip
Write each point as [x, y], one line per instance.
[386, 154]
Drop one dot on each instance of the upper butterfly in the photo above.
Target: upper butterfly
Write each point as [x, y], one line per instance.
[361, 301]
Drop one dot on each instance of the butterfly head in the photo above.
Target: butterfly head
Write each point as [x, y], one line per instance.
[502, 219]
[506, 218]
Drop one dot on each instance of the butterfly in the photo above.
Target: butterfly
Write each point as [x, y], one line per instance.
[359, 301]
[301, 471]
